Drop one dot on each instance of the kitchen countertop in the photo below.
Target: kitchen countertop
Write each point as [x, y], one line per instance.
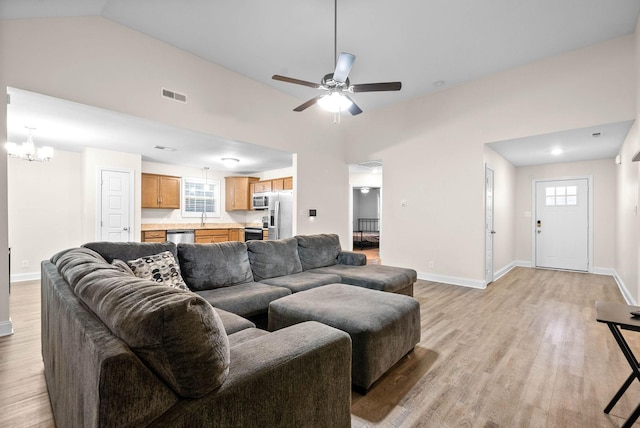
[194, 226]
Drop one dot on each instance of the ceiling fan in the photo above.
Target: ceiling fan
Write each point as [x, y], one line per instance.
[336, 86]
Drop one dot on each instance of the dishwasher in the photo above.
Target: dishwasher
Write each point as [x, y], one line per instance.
[181, 236]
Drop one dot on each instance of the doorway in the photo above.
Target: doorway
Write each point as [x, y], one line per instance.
[562, 224]
[116, 205]
[489, 232]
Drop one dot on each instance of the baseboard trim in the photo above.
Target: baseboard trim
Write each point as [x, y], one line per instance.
[524, 263]
[6, 328]
[505, 270]
[452, 280]
[623, 289]
[603, 271]
[21, 277]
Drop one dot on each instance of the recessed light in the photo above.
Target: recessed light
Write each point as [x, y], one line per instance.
[557, 151]
[166, 149]
[439, 83]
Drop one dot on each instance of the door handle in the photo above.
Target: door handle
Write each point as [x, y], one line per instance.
[125, 229]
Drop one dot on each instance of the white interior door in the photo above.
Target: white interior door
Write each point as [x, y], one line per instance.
[489, 232]
[562, 224]
[115, 210]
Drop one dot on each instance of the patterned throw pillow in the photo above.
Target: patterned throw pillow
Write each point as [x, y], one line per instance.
[159, 268]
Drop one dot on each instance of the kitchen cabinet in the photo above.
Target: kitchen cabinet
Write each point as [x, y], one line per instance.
[160, 191]
[208, 236]
[288, 183]
[154, 236]
[277, 184]
[262, 186]
[234, 235]
[238, 193]
[273, 185]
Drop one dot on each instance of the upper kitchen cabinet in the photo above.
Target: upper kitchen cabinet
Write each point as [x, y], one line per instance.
[160, 191]
[238, 193]
[273, 185]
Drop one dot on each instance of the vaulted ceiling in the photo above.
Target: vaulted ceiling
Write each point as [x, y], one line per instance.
[427, 45]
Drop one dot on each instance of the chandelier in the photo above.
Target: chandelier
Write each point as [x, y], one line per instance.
[28, 150]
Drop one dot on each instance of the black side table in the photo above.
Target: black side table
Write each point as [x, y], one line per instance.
[617, 316]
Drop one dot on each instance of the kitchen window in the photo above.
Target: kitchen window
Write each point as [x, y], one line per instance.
[200, 197]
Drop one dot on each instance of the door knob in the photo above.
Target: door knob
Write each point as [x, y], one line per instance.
[125, 228]
[539, 231]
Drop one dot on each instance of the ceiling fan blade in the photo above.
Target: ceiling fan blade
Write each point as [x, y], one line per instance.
[295, 81]
[354, 109]
[376, 87]
[308, 104]
[343, 66]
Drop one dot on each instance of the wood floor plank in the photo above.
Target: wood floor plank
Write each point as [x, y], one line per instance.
[525, 352]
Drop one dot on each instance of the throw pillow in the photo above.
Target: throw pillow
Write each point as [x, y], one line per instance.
[161, 268]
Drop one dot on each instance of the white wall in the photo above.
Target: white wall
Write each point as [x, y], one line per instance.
[627, 199]
[93, 160]
[504, 198]
[604, 207]
[45, 210]
[97, 62]
[432, 148]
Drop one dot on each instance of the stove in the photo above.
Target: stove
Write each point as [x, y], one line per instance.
[253, 233]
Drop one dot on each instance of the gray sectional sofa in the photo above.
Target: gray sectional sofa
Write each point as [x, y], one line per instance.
[123, 351]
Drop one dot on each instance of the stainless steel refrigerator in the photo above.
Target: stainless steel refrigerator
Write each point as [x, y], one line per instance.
[280, 215]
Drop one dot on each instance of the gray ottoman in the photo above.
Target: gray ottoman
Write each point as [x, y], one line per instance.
[383, 326]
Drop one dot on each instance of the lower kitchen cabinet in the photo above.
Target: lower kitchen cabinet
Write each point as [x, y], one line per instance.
[208, 236]
[154, 236]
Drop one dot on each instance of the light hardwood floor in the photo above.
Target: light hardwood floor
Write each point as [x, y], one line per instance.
[526, 351]
[373, 255]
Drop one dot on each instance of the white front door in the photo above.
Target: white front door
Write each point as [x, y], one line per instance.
[562, 224]
[115, 213]
[488, 229]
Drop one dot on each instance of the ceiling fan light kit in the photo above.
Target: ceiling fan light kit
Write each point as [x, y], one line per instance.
[337, 83]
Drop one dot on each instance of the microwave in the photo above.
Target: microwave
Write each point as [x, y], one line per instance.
[260, 201]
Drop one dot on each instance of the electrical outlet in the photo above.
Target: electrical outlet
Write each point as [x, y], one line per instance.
[25, 263]
[404, 203]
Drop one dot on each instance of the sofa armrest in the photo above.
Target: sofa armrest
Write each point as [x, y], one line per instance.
[352, 258]
[291, 377]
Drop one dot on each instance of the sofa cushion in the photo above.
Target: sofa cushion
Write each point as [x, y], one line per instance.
[302, 281]
[161, 268]
[130, 250]
[122, 266]
[176, 333]
[233, 323]
[246, 336]
[317, 251]
[269, 259]
[375, 277]
[209, 266]
[75, 264]
[248, 299]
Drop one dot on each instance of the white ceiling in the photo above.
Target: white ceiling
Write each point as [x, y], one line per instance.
[417, 42]
[594, 142]
[70, 126]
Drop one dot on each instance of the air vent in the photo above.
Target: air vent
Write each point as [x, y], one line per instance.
[167, 93]
[371, 164]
